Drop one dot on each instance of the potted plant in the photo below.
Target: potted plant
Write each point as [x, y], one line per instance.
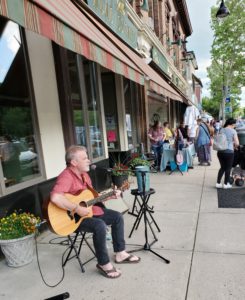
[138, 161]
[120, 173]
[17, 238]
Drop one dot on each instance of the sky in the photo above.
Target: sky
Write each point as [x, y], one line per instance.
[9, 46]
[201, 39]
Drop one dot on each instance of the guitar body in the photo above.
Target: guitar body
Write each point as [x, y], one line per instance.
[61, 221]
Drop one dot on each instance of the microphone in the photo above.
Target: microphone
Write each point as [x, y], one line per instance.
[59, 297]
[94, 167]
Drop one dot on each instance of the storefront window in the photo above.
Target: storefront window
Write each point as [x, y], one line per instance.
[85, 116]
[130, 109]
[158, 111]
[110, 106]
[76, 101]
[18, 151]
[93, 104]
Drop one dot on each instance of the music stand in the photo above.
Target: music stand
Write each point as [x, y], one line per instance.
[139, 213]
[144, 207]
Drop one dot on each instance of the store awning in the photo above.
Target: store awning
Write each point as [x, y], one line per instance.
[157, 83]
[63, 23]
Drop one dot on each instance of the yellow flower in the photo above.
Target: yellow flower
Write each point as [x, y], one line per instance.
[17, 225]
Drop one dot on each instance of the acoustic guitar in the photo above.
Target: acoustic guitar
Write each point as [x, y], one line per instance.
[63, 222]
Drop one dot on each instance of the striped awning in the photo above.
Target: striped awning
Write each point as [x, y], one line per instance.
[157, 83]
[61, 22]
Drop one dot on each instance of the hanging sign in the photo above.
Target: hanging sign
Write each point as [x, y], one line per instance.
[114, 14]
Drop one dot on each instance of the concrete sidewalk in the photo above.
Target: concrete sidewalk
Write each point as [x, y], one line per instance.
[205, 244]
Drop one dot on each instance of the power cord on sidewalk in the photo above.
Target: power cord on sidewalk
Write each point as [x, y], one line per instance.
[39, 267]
[63, 242]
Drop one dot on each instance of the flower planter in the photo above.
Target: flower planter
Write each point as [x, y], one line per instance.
[18, 252]
[119, 180]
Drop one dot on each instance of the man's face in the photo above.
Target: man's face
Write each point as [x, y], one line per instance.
[81, 162]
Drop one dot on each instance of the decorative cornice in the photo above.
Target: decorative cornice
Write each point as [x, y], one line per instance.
[152, 39]
[197, 79]
[182, 9]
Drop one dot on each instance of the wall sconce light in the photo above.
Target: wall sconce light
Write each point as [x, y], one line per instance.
[178, 42]
[223, 11]
[186, 59]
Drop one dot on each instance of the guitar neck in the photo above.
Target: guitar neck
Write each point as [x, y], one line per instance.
[100, 198]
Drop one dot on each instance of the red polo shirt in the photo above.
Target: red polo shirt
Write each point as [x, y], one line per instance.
[69, 182]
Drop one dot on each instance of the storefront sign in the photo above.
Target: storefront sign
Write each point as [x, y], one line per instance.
[160, 60]
[228, 109]
[114, 14]
[178, 82]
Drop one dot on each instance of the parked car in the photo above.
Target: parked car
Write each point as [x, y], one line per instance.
[28, 159]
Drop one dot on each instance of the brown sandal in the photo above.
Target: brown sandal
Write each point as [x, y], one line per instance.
[128, 260]
[107, 273]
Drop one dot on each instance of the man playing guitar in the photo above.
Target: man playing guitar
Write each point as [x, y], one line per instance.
[73, 180]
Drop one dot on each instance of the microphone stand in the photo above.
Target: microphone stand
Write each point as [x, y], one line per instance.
[147, 245]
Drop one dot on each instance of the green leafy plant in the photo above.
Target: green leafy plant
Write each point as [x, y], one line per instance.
[138, 161]
[18, 225]
[121, 169]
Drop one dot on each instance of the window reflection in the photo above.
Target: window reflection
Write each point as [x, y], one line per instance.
[77, 105]
[9, 46]
[130, 108]
[110, 106]
[87, 132]
[95, 128]
[18, 154]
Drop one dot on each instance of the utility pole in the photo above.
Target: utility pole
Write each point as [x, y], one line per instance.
[224, 92]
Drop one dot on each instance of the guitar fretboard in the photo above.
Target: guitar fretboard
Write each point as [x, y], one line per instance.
[100, 198]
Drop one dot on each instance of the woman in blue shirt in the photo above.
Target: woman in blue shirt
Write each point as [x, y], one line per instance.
[203, 143]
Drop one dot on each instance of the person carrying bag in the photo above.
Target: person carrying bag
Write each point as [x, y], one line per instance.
[227, 139]
[220, 141]
[203, 144]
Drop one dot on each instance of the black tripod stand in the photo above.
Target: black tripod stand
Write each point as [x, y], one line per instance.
[144, 210]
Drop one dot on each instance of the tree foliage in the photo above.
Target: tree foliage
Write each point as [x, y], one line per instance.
[228, 56]
[210, 106]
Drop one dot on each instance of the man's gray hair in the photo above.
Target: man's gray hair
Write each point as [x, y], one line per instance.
[72, 151]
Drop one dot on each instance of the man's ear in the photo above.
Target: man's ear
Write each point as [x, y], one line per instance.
[73, 163]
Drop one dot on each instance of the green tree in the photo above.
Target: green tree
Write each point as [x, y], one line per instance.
[228, 64]
[210, 106]
[16, 121]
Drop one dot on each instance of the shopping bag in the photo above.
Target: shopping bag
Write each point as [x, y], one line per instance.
[220, 142]
[179, 158]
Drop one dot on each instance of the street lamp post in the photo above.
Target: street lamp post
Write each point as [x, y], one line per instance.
[223, 11]
[223, 94]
